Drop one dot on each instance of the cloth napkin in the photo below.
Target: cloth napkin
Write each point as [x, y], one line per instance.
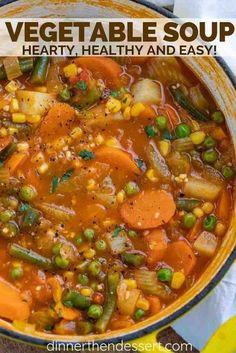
[197, 326]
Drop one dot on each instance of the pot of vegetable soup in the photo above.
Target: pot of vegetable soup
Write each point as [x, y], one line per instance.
[117, 208]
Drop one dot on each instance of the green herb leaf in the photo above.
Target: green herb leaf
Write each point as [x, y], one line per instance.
[65, 94]
[82, 85]
[55, 183]
[67, 174]
[86, 155]
[141, 164]
[114, 94]
[117, 231]
[23, 207]
[150, 131]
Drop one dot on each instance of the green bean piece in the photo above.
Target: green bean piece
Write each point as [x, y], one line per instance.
[8, 151]
[184, 102]
[84, 327]
[186, 204]
[133, 259]
[72, 298]
[28, 255]
[40, 70]
[10, 230]
[30, 218]
[113, 279]
[26, 65]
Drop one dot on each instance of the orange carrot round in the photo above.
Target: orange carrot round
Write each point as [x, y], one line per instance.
[180, 257]
[117, 158]
[157, 246]
[148, 209]
[104, 68]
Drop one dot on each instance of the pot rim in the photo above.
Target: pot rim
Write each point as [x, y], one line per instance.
[176, 314]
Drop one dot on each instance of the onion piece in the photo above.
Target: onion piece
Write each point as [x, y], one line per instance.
[12, 67]
[147, 91]
[31, 102]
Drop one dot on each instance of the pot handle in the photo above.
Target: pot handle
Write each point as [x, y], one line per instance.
[223, 340]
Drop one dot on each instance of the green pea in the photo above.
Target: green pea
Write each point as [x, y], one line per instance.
[27, 193]
[94, 268]
[131, 188]
[189, 220]
[56, 248]
[139, 313]
[164, 275]
[16, 272]
[150, 131]
[101, 245]
[89, 233]
[10, 230]
[161, 122]
[132, 234]
[209, 156]
[183, 130]
[6, 215]
[61, 262]
[83, 279]
[78, 240]
[209, 142]
[95, 311]
[209, 222]
[228, 172]
[218, 117]
[65, 94]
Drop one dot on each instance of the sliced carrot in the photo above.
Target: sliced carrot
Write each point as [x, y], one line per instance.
[12, 305]
[15, 161]
[4, 142]
[104, 68]
[155, 304]
[180, 257]
[148, 113]
[157, 245]
[66, 313]
[148, 209]
[57, 122]
[117, 158]
[56, 288]
[224, 205]
[195, 231]
[138, 60]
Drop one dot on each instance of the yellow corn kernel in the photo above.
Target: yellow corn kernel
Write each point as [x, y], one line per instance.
[220, 229]
[207, 207]
[131, 283]
[68, 276]
[43, 168]
[198, 137]
[198, 212]
[178, 280]
[89, 254]
[70, 70]
[33, 119]
[113, 105]
[3, 132]
[164, 147]
[99, 139]
[87, 292]
[22, 146]
[91, 185]
[41, 89]
[14, 105]
[19, 118]
[137, 109]
[151, 175]
[12, 86]
[143, 303]
[12, 130]
[108, 222]
[126, 100]
[120, 196]
[127, 113]
[112, 142]
[59, 143]
[76, 133]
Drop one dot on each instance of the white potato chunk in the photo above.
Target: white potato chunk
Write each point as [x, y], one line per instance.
[147, 91]
[31, 102]
[201, 189]
[206, 244]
